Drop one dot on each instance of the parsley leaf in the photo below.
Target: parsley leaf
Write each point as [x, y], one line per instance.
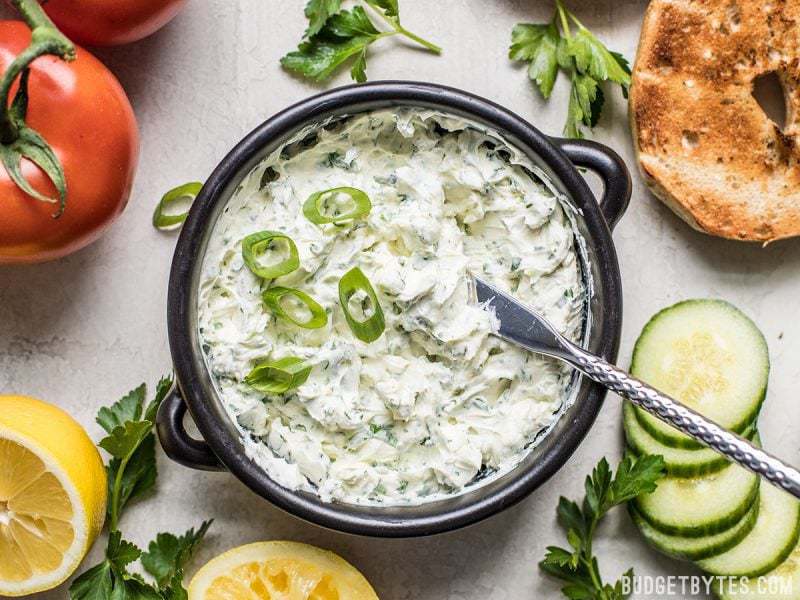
[125, 439]
[625, 66]
[133, 588]
[585, 103]
[335, 37]
[577, 567]
[94, 584]
[163, 387]
[132, 472]
[560, 558]
[129, 408]
[121, 553]
[537, 44]
[175, 590]
[168, 554]
[345, 35]
[319, 59]
[139, 475]
[594, 59]
[350, 24]
[554, 46]
[109, 578]
[318, 12]
[389, 7]
[359, 69]
[636, 477]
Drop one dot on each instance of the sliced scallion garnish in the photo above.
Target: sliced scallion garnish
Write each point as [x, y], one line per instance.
[356, 294]
[182, 196]
[255, 245]
[274, 299]
[324, 207]
[280, 376]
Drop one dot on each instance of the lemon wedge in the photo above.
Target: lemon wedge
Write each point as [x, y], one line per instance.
[279, 571]
[52, 495]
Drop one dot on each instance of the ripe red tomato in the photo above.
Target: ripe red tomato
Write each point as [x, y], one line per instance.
[111, 22]
[82, 111]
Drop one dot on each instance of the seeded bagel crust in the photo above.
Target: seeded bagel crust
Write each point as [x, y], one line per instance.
[704, 145]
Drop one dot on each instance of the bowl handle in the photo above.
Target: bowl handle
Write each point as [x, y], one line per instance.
[177, 443]
[611, 169]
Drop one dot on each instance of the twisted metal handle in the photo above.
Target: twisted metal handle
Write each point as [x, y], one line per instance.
[686, 420]
[525, 327]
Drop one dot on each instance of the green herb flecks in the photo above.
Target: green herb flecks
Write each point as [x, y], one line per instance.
[566, 44]
[280, 376]
[131, 473]
[354, 285]
[256, 245]
[335, 37]
[277, 299]
[577, 566]
[165, 216]
[325, 206]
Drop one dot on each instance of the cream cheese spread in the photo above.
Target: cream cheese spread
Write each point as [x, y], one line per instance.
[437, 404]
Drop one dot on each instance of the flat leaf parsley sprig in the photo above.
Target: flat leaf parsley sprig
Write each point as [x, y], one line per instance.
[577, 566]
[577, 52]
[335, 36]
[131, 473]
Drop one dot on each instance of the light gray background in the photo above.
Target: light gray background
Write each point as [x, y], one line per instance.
[82, 331]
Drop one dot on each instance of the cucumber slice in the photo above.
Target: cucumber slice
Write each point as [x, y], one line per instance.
[680, 462]
[768, 545]
[699, 547]
[782, 583]
[700, 506]
[710, 356]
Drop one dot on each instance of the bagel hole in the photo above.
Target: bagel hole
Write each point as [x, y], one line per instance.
[769, 93]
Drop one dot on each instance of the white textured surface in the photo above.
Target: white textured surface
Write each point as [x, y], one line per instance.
[82, 331]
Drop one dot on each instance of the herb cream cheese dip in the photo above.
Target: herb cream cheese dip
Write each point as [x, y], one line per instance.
[437, 404]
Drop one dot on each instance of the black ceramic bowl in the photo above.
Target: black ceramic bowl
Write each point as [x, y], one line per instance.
[222, 447]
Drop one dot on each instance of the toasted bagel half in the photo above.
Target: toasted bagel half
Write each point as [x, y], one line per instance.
[704, 145]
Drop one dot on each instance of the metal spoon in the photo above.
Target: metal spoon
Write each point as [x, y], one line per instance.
[524, 327]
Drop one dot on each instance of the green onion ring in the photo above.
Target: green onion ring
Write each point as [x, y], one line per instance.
[372, 328]
[254, 246]
[273, 296]
[312, 209]
[166, 222]
[280, 376]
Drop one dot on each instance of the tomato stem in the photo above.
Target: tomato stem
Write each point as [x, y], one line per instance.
[45, 39]
[17, 140]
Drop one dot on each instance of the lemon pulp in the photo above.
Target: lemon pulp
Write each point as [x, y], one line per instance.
[279, 571]
[52, 495]
[35, 515]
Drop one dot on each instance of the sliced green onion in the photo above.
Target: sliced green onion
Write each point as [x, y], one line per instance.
[256, 244]
[320, 208]
[280, 376]
[355, 282]
[183, 195]
[273, 298]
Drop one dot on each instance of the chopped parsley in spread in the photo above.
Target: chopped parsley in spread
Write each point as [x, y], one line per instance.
[436, 404]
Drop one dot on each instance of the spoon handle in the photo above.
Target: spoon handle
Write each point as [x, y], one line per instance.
[685, 419]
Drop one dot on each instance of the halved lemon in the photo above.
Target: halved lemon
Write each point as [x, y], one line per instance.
[52, 495]
[279, 571]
